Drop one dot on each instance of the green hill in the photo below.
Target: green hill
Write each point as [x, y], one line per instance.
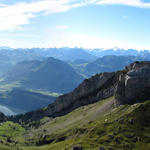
[92, 126]
[98, 125]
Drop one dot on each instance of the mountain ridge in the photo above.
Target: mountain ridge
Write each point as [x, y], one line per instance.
[111, 63]
[98, 87]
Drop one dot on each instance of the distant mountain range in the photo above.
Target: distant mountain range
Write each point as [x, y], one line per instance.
[118, 52]
[57, 76]
[66, 53]
[110, 63]
[18, 55]
[71, 55]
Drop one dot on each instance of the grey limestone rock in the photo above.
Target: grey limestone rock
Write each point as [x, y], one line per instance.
[134, 83]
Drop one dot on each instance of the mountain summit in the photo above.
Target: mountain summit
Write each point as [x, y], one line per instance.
[51, 74]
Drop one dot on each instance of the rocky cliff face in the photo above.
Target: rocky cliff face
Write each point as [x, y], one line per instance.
[128, 86]
[91, 90]
[134, 83]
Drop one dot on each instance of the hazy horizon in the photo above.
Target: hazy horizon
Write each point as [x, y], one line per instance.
[75, 23]
[88, 49]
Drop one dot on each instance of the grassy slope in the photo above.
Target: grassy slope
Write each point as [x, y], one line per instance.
[123, 128]
[10, 135]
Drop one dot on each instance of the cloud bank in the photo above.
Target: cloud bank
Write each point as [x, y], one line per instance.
[15, 15]
[133, 3]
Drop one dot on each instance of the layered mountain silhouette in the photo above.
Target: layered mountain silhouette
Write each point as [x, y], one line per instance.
[118, 52]
[51, 74]
[67, 54]
[110, 63]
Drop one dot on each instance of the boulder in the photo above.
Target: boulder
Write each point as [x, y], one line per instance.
[101, 148]
[77, 148]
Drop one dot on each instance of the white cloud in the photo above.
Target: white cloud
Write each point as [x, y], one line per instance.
[133, 3]
[13, 16]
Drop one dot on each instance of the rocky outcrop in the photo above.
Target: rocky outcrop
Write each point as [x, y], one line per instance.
[2, 117]
[134, 83]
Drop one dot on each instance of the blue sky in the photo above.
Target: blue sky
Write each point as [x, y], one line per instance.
[70, 23]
